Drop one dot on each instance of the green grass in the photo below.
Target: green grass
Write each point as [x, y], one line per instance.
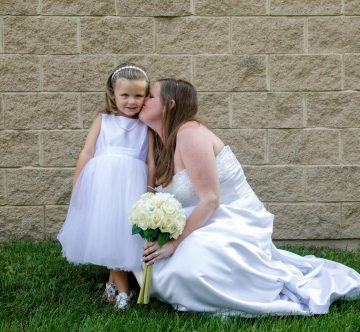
[40, 291]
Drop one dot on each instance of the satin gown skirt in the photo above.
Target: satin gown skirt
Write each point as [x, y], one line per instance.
[231, 266]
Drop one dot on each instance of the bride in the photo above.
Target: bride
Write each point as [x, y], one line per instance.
[225, 261]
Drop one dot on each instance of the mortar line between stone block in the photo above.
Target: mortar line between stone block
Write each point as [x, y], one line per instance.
[341, 218]
[230, 34]
[267, 143]
[268, 5]
[342, 7]
[80, 119]
[116, 8]
[39, 8]
[41, 146]
[231, 114]
[192, 7]
[267, 72]
[341, 147]
[41, 72]
[2, 46]
[155, 36]
[78, 35]
[304, 104]
[192, 67]
[44, 225]
[3, 109]
[342, 73]
[306, 36]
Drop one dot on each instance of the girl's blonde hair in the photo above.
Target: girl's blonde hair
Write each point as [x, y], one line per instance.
[128, 71]
[185, 109]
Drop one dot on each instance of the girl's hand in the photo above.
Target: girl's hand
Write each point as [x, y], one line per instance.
[153, 252]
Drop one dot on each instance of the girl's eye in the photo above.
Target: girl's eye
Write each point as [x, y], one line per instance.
[124, 95]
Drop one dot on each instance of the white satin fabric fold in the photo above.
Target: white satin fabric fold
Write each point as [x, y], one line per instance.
[231, 266]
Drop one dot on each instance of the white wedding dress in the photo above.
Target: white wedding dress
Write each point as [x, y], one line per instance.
[230, 265]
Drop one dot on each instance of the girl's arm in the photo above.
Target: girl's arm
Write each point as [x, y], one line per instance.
[89, 147]
[150, 162]
[197, 153]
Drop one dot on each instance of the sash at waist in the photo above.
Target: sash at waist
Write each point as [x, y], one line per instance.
[120, 151]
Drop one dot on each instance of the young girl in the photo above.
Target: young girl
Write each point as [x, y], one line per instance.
[114, 168]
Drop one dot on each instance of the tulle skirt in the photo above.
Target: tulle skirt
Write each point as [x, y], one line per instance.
[97, 228]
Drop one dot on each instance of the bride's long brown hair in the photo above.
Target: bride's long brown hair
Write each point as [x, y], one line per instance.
[184, 110]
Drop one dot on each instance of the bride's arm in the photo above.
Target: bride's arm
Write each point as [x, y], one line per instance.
[197, 154]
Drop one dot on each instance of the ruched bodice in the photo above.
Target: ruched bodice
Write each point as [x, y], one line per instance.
[233, 184]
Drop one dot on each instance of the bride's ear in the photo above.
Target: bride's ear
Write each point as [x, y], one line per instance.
[172, 104]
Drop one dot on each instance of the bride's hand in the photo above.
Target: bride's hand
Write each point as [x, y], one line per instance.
[153, 252]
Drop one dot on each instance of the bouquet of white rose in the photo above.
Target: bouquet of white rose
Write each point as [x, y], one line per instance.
[156, 217]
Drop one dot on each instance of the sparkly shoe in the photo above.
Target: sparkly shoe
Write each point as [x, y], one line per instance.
[123, 300]
[110, 293]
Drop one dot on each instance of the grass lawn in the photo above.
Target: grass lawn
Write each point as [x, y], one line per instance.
[40, 291]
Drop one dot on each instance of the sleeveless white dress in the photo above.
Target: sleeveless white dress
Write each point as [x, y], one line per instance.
[230, 265]
[97, 228]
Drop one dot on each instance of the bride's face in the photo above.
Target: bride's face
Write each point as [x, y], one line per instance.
[153, 108]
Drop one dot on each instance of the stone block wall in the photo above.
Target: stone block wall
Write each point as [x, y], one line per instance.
[278, 81]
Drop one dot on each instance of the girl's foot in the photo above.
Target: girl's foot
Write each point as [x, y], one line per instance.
[123, 300]
[110, 293]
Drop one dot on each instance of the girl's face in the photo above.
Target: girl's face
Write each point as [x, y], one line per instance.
[153, 108]
[129, 96]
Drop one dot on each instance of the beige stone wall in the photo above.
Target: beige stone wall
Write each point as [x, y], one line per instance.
[278, 80]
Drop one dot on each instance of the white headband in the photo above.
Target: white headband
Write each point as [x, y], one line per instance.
[129, 67]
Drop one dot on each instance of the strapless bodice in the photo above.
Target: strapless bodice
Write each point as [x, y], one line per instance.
[233, 184]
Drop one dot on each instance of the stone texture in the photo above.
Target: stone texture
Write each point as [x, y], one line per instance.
[276, 184]
[77, 72]
[332, 183]
[62, 148]
[267, 35]
[2, 187]
[161, 66]
[351, 146]
[54, 219]
[41, 111]
[230, 7]
[352, 72]
[305, 72]
[19, 148]
[1, 35]
[117, 35]
[153, 8]
[193, 35]
[38, 186]
[19, 72]
[40, 35]
[305, 147]
[333, 109]
[19, 7]
[20, 222]
[92, 103]
[306, 221]
[334, 35]
[230, 73]
[1, 112]
[350, 220]
[214, 109]
[267, 110]
[77, 7]
[352, 7]
[305, 7]
[247, 144]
